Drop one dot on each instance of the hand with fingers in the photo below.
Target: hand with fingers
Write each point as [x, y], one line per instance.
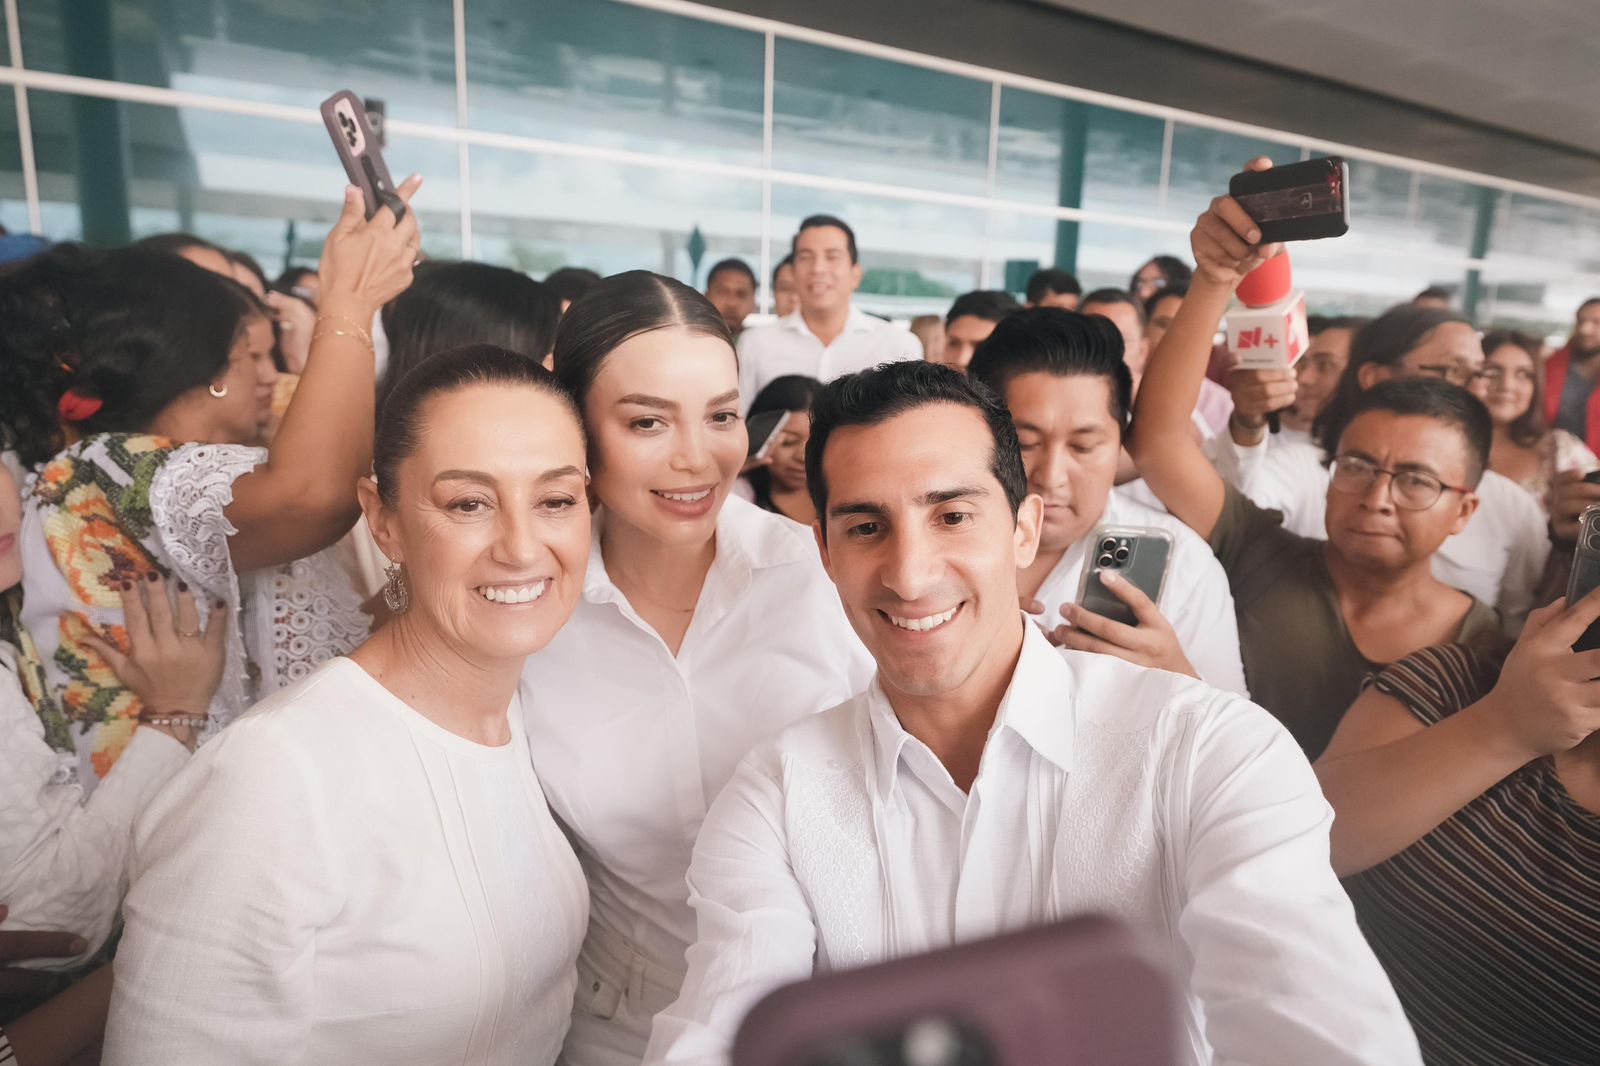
[1547, 700]
[368, 262]
[1226, 241]
[1151, 642]
[1570, 496]
[1258, 393]
[17, 945]
[172, 664]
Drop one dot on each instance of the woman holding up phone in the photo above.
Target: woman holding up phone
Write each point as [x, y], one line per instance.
[155, 370]
[706, 625]
[779, 484]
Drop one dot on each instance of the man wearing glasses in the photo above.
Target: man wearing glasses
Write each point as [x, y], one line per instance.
[1316, 617]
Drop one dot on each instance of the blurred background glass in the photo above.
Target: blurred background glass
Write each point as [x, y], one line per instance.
[581, 119]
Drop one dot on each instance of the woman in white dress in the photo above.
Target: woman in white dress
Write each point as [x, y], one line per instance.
[707, 625]
[136, 385]
[363, 868]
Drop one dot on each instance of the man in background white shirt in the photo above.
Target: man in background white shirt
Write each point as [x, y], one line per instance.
[986, 782]
[827, 336]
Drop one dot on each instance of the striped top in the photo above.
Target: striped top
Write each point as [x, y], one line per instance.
[1489, 926]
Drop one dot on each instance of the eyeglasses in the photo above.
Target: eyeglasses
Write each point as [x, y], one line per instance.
[1412, 490]
[1462, 374]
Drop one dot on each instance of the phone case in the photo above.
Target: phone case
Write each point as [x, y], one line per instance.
[1085, 990]
[346, 118]
[1585, 573]
[1298, 202]
[1138, 554]
[763, 430]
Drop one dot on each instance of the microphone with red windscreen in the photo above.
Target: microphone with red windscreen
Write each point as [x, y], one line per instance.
[1268, 330]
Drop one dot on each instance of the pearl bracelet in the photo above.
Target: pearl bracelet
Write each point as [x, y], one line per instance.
[193, 721]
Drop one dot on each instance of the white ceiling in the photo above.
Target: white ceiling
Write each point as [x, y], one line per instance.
[1530, 66]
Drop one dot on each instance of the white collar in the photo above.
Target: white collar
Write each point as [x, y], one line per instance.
[857, 321]
[1038, 707]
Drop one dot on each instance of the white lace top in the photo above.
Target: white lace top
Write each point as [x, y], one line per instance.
[290, 619]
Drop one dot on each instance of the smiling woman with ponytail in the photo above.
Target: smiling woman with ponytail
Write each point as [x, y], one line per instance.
[134, 384]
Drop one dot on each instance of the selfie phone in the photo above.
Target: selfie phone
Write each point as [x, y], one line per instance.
[346, 118]
[1586, 572]
[1297, 202]
[764, 429]
[1085, 990]
[1137, 554]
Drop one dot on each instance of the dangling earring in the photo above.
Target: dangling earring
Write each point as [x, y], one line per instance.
[216, 392]
[395, 594]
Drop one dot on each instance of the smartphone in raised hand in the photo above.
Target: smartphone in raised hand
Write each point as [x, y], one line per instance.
[764, 430]
[1298, 201]
[1137, 554]
[1585, 574]
[346, 118]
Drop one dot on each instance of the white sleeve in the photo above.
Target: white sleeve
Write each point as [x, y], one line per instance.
[61, 859]
[189, 497]
[755, 927]
[1203, 615]
[1281, 969]
[234, 871]
[1528, 552]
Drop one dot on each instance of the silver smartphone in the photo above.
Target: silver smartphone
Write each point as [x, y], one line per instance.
[1137, 554]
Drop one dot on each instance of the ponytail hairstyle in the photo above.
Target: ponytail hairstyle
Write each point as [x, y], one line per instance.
[106, 340]
[621, 307]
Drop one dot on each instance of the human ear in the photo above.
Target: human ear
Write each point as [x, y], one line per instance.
[380, 520]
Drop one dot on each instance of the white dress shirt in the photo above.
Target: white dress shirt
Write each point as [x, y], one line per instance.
[337, 879]
[61, 856]
[1499, 558]
[788, 346]
[1103, 787]
[633, 743]
[1195, 599]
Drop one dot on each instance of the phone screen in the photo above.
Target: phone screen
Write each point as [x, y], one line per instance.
[764, 429]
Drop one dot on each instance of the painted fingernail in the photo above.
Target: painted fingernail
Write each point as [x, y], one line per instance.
[78, 945]
[127, 586]
[152, 576]
[183, 586]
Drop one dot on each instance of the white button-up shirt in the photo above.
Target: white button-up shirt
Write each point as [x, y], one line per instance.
[788, 346]
[1499, 557]
[632, 744]
[1195, 599]
[1103, 787]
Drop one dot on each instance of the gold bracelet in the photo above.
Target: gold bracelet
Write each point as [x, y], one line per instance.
[355, 329]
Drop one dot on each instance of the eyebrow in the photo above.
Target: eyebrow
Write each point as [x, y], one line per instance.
[640, 399]
[932, 498]
[1410, 468]
[555, 474]
[1072, 431]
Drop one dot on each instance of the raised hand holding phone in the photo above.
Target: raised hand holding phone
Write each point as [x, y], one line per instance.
[1151, 642]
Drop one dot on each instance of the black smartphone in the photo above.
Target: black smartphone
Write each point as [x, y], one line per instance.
[763, 429]
[1136, 554]
[346, 118]
[1585, 573]
[1297, 202]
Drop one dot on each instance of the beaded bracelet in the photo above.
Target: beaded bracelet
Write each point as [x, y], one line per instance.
[194, 721]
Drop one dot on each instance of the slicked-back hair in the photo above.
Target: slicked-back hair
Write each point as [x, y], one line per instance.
[1429, 398]
[876, 395]
[991, 305]
[1175, 270]
[401, 422]
[1050, 340]
[624, 306]
[819, 221]
[1053, 280]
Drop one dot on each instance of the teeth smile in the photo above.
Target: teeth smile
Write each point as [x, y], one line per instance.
[509, 594]
[922, 625]
[686, 497]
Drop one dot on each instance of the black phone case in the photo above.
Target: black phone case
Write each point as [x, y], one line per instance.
[1585, 573]
[358, 150]
[1298, 202]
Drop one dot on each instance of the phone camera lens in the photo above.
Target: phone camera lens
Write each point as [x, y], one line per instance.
[1593, 540]
[1122, 553]
[1109, 544]
[1104, 562]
